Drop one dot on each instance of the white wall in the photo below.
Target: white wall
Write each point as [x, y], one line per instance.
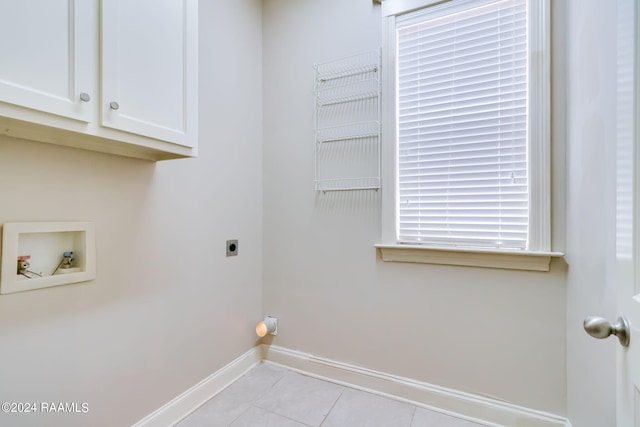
[168, 308]
[492, 332]
[591, 209]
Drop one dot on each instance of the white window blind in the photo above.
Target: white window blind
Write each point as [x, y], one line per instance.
[462, 124]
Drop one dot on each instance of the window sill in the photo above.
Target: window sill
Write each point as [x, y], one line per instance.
[488, 258]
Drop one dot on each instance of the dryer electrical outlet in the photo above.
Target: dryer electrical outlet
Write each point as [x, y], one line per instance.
[232, 248]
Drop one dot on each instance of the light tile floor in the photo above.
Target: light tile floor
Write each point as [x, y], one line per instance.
[273, 396]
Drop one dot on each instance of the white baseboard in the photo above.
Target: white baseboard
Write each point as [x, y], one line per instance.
[463, 405]
[489, 412]
[190, 400]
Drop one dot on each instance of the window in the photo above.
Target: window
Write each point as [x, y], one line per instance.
[467, 117]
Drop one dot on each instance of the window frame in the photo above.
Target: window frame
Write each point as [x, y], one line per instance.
[538, 255]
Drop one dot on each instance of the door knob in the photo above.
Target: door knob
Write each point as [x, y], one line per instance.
[84, 97]
[599, 327]
[114, 105]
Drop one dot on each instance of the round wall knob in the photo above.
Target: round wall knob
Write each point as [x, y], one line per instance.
[599, 327]
[84, 97]
[114, 105]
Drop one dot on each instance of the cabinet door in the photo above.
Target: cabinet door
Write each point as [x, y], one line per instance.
[149, 68]
[46, 61]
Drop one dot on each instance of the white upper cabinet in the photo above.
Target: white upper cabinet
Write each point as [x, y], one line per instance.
[148, 66]
[45, 63]
[116, 76]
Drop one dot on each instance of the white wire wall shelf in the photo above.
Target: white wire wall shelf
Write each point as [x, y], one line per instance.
[348, 184]
[347, 92]
[328, 74]
[347, 117]
[349, 131]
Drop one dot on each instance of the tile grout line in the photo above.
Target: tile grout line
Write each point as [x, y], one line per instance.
[280, 415]
[252, 403]
[241, 414]
[332, 406]
[282, 377]
[413, 415]
[284, 374]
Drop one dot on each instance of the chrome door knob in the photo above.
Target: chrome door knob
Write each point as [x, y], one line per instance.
[84, 97]
[114, 105]
[599, 327]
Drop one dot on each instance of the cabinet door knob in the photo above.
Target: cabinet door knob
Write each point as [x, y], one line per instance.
[114, 105]
[84, 97]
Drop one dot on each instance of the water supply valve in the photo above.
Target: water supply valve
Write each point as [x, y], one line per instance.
[67, 259]
[23, 264]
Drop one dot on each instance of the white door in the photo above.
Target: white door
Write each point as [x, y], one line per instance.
[46, 62]
[628, 214]
[149, 68]
[627, 256]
